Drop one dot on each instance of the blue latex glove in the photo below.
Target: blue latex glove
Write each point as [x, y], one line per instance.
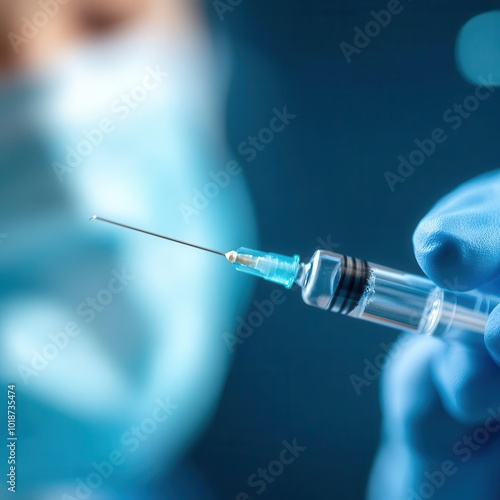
[441, 398]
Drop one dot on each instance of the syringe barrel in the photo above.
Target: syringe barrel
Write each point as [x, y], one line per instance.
[389, 297]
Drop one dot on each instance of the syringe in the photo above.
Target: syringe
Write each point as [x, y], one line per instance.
[363, 290]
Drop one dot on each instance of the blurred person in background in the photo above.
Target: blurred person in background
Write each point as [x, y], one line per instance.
[113, 339]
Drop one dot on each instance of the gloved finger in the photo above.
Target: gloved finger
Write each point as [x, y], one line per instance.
[492, 334]
[492, 287]
[407, 384]
[466, 377]
[418, 434]
[411, 401]
[457, 244]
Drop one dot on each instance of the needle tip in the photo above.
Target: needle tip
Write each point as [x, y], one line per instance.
[94, 217]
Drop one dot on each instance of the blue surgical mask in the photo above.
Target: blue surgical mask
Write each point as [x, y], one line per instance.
[104, 330]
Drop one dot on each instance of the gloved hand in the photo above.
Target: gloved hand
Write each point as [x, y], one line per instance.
[441, 397]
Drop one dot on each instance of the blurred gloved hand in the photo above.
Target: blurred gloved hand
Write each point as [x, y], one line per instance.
[441, 397]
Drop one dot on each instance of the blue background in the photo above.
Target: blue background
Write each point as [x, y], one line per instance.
[324, 177]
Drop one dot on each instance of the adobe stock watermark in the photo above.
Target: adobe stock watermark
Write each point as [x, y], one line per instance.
[48, 10]
[453, 119]
[88, 310]
[327, 244]
[463, 450]
[131, 440]
[255, 144]
[265, 309]
[363, 37]
[455, 284]
[121, 109]
[3, 237]
[224, 6]
[373, 368]
[220, 180]
[202, 197]
[255, 319]
[263, 477]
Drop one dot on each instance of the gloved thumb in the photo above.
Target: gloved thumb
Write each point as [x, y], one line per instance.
[457, 244]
